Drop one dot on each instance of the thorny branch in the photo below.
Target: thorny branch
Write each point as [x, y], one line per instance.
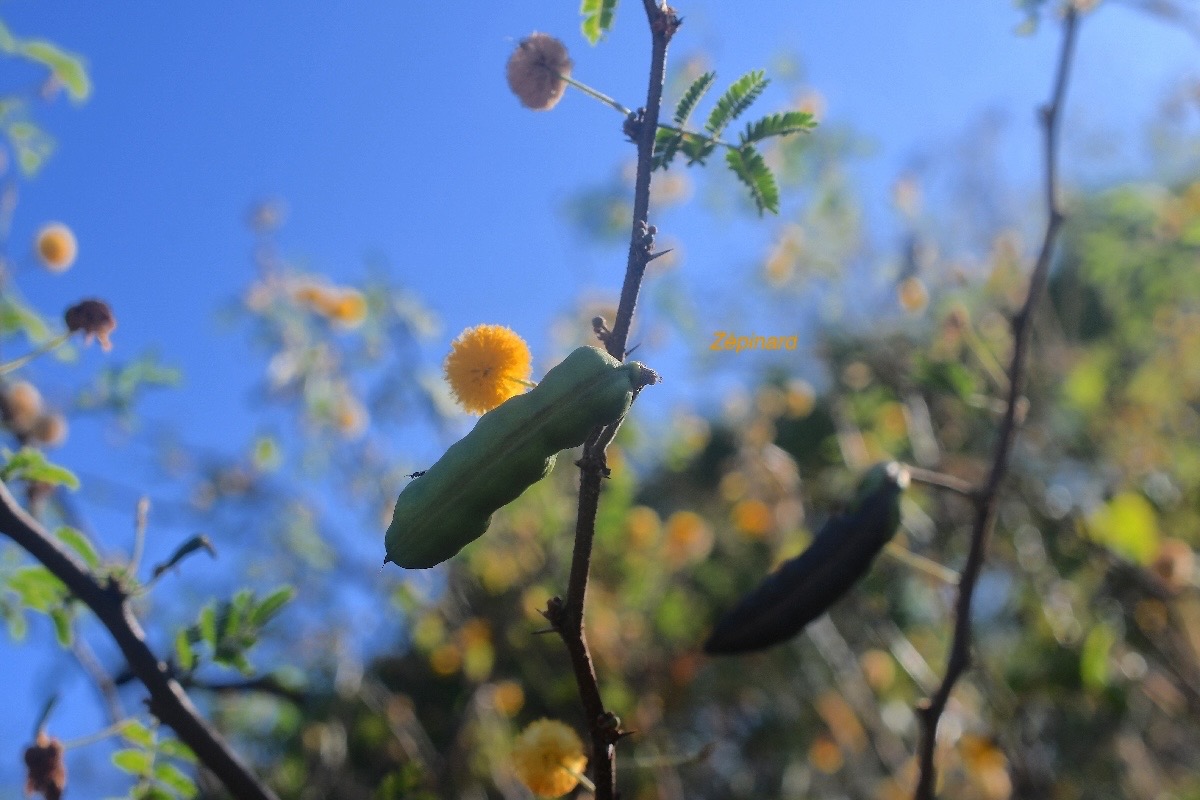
[109, 602]
[930, 711]
[567, 617]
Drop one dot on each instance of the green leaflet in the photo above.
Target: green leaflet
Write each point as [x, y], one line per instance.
[511, 447]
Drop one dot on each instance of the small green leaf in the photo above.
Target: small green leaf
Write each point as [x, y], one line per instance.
[1127, 525]
[1093, 659]
[208, 625]
[62, 617]
[30, 464]
[184, 655]
[37, 588]
[683, 111]
[32, 144]
[135, 762]
[68, 69]
[271, 605]
[173, 748]
[737, 98]
[16, 316]
[697, 148]
[78, 542]
[18, 626]
[598, 18]
[171, 776]
[778, 125]
[666, 144]
[748, 164]
[137, 733]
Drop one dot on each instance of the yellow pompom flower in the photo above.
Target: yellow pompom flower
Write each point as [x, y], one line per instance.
[56, 247]
[349, 309]
[487, 365]
[548, 758]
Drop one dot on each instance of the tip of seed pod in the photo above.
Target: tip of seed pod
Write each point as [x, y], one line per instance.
[899, 474]
[642, 376]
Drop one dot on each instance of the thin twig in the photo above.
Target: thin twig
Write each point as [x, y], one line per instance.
[942, 481]
[109, 602]
[567, 617]
[100, 678]
[930, 712]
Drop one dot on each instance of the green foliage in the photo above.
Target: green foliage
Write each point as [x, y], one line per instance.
[598, 16]
[149, 762]
[746, 163]
[81, 544]
[118, 387]
[737, 99]
[66, 68]
[687, 103]
[782, 124]
[229, 629]
[30, 464]
[750, 168]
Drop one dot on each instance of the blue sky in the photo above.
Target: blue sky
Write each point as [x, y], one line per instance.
[388, 130]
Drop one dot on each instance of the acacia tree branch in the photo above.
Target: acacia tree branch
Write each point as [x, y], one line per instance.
[567, 617]
[109, 602]
[930, 711]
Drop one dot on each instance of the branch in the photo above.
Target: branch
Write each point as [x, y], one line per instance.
[930, 712]
[567, 617]
[108, 602]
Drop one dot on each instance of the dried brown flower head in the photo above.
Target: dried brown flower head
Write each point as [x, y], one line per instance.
[536, 71]
[22, 406]
[94, 318]
[50, 430]
[45, 771]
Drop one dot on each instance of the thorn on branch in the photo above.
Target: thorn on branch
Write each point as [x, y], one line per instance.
[633, 125]
[600, 328]
[556, 612]
[666, 23]
[594, 459]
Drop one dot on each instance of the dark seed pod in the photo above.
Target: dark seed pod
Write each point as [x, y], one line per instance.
[806, 586]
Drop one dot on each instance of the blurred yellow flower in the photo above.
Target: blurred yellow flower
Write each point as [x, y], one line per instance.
[487, 365]
[825, 755]
[688, 539]
[753, 518]
[508, 697]
[548, 758]
[913, 295]
[56, 247]
[349, 309]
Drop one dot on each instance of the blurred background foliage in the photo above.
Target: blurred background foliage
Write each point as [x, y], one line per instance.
[1087, 681]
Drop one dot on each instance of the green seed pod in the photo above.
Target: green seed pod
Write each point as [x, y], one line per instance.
[511, 447]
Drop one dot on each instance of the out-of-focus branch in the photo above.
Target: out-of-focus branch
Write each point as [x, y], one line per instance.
[109, 602]
[567, 616]
[930, 711]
